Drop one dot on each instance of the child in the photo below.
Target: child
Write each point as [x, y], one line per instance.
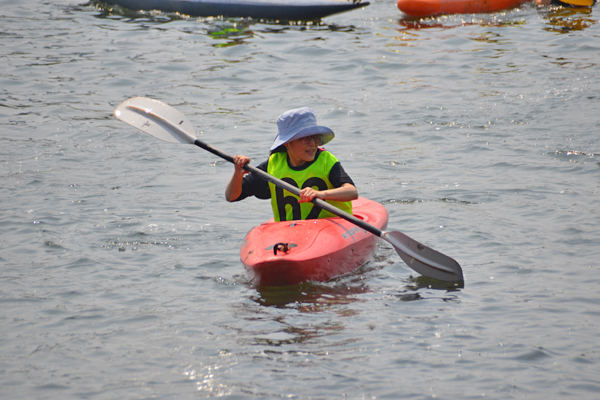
[296, 158]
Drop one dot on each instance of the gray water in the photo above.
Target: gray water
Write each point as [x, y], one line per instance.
[120, 273]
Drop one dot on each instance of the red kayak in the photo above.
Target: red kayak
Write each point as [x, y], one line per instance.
[428, 8]
[292, 252]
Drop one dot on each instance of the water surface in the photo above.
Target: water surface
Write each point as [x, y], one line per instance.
[120, 272]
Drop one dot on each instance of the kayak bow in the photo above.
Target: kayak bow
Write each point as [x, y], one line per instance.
[292, 252]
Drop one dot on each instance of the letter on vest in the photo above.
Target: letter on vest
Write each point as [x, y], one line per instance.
[286, 206]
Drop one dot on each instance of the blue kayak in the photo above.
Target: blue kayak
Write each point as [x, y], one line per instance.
[290, 10]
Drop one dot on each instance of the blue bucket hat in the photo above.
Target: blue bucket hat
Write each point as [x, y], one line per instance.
[299, 123]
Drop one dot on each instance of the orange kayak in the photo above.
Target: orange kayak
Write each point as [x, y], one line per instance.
[292, 252]
[429, 8]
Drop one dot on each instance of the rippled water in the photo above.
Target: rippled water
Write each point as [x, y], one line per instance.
[120, 276]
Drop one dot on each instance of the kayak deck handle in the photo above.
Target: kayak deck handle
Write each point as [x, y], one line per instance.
[284, 247]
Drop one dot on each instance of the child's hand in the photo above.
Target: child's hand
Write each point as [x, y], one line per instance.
[239, 162]
[307, 194]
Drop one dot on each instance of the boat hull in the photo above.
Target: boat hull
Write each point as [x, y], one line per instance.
[429, 8]
[297, 10]
[293, 252]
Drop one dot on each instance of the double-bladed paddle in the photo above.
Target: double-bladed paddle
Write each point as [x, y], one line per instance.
[166, 123]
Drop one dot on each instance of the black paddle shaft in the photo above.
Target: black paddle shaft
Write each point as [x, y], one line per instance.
[293, 189]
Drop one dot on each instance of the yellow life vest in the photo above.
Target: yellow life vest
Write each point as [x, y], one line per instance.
[286, 206]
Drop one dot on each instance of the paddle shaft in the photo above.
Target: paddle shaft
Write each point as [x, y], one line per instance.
[294, 190]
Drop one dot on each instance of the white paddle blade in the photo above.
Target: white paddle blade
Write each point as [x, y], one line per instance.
[157, 119]
[423, 259]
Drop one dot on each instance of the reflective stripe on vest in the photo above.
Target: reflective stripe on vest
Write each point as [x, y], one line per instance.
[286, 206]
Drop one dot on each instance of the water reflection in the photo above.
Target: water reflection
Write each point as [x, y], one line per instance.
[319, 297]
[423, 282]
[422, 288]
[560, 19]
[230, 34]
[282, 310]
[565, 20]
[451, 22]
[309, 297]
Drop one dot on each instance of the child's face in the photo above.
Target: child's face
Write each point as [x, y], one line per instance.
[302, 150]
